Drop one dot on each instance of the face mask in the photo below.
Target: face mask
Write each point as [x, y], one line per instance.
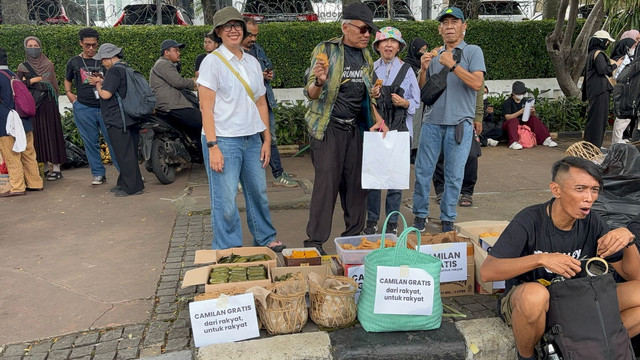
[485, 96]
[33, 52]
[519, 97]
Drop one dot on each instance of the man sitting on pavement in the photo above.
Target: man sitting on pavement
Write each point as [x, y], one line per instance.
[167, 84]
[546, 240]
[281, 178]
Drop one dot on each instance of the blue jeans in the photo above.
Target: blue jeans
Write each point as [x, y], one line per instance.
[394, 197]
[433, 140]
[275, 163]
[241, 163]
[90, 124]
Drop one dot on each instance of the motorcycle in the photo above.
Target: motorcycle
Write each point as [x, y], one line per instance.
[164, 149]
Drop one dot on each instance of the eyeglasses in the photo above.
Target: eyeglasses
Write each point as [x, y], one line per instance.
[252, 35]
[227, 27]
[363, 29]
[94, 45]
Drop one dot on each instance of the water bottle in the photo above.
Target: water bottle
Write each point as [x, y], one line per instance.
[551, 352]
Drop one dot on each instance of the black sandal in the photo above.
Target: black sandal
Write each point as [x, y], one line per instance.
[465, 200]
[277, 248]
[54, 175]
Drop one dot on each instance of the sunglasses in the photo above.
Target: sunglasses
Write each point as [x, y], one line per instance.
[363, 29]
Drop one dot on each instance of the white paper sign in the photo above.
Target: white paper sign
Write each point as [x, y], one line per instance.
[527, 109]
[403, 291]
[356, 272]
[225, 319]
[454, 260]
[385, 162]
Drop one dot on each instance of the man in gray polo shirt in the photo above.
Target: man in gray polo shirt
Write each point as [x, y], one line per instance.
[447, 126]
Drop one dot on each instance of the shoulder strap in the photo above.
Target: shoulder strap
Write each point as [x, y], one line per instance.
[402, 73]
[244, 83]
[30, 68]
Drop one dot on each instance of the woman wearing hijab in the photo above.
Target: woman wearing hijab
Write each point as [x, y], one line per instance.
[415, 50]
[625, 49]
[597, 87]
[234, 114]
[39, 75]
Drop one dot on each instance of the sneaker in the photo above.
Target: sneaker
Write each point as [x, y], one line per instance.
[392, 228]
[420, 223]
[120, 193]
[447, 226]
[99, 180]
[550, 143]
[516, 146]
[371, 228]
[492, 143]
[285, 180]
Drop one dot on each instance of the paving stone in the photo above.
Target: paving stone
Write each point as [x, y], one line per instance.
[166, 292]
[111, 335]
[171, 299]
[474, 307]
[129, 343]
[63, 342]
[133, 331]
[167, 285]
[184, 315]
[106, 347]
[41, 347]
[84, 358]
[173, 259]
[59, 354]
[85, 339]
[36, 356]
[126, 354]
[159, 325]
[15, 350]
[172, 271]
[176, 333]
[186, 291]
[105, 356]
[81, 351]
[166, 316]
[150, 351]
[11, 357]
[463, 300]
[154, 338]
[170, 278]
[166, 308]
[176, 344]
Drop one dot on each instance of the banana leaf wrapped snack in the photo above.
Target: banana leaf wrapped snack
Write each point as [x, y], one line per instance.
[231, 274]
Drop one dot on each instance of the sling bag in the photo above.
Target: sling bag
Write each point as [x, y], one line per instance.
[436, 84]
[234, 72]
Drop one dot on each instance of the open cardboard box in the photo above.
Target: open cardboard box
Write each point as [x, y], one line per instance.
[201, 276]
[306, 261]
[305, 270]
[450, 247]
[213, 256]
[480, 255]
[473, 229]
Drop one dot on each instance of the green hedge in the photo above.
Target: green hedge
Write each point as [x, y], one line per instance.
[512, 50]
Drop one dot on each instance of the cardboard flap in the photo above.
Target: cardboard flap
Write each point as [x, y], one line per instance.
[206, 256]
[197, 276]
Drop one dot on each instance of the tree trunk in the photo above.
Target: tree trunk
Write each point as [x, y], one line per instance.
[209, 8]
[15, 12]
[568, 58]
[550, 9]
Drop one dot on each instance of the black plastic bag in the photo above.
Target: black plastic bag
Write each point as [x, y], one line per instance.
[619, 200]
[76, 157]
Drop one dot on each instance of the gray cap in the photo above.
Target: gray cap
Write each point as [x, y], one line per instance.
[107, 51]
[167, 44]
[225, 15]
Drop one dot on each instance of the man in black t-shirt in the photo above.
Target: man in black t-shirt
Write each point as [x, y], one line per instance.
[548, 240]
[86, 103]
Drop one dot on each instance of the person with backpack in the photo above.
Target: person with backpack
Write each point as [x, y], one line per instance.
[38, 74]
[545, 243]
[122, 128]
[624, 49]
[398, 97]
[512, 110]
[22, 166]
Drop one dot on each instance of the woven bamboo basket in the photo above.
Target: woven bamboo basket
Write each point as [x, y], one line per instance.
[286, 308]
[585, 150]
[333, 308]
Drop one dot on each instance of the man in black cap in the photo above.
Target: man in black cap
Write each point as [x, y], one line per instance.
[167, 84]
[339, 87]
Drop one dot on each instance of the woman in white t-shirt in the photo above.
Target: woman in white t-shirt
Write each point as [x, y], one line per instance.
[234, 114]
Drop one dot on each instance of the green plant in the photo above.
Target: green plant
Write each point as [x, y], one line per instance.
[564, 114]
[291, 129]
[70, 130]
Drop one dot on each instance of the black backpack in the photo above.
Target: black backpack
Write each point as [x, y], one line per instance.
[626, 92]
[437, 83]
[584, 319]
[139, 101]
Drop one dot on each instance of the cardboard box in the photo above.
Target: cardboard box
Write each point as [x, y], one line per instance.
[473, 229]
[455, 252]
[356, 257]
[460, 288]
[333, 262]
[480, 255]
[201, 276]
[305, 270]
[213, 256]
[290, 261]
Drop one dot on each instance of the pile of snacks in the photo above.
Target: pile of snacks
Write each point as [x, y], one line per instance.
[235, 259]
[489, 234]
[295, 254]
[227, 274]
[369, 245]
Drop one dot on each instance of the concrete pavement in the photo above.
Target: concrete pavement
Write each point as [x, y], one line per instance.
[80, 262]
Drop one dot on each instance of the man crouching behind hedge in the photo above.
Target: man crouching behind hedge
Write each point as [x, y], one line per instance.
[536, 245]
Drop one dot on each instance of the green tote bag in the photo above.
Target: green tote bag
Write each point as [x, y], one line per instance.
[406, 296]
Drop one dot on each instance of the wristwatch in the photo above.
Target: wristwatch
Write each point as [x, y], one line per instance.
[211, 144]
[453, 67]
[632, 242]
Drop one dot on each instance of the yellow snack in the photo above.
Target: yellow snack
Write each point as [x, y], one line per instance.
[490, 234]
[323, 57]
[369, 245]
[378, 82]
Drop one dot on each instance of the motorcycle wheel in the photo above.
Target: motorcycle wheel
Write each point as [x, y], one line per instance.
[165, 173]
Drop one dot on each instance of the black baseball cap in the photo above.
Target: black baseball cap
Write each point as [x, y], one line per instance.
[167, 44]
[360, 11]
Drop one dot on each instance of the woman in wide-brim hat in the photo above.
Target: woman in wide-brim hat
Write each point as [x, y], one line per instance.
[234, 115]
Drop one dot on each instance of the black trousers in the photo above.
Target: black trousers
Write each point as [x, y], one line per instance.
[189, 121]
[337, 161]
[597, 116]
[125, 145]
[470, 175]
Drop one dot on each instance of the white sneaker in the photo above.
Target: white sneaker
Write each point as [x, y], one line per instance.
[515, 146]
[550, 143]
[492, 142]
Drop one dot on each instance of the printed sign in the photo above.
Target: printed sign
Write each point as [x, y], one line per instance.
[454, 260]
[356, 272]
[226, 319]
[403, 291]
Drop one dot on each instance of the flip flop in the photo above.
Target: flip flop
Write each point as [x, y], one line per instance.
[278, 247]
[465, 201]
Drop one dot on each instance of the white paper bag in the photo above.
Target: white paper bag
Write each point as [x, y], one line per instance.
[385, 162]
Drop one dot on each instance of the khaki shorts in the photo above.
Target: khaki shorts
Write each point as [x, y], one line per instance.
[505, 306]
